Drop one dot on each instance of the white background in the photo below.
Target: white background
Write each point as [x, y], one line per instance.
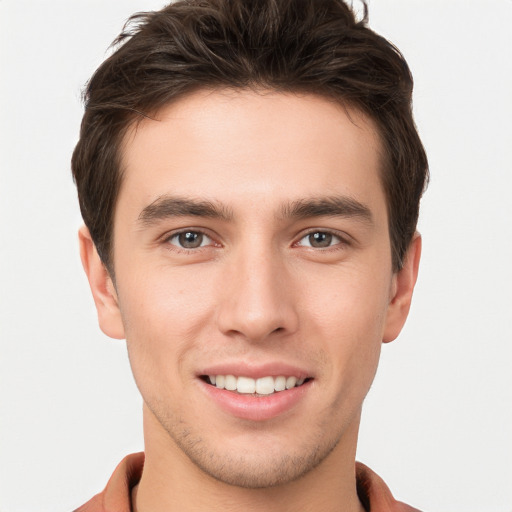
[437, 424]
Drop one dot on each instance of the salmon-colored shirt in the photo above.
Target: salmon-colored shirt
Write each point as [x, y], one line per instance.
[373, 492]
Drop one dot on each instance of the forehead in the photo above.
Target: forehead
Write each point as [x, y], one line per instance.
[262, 147]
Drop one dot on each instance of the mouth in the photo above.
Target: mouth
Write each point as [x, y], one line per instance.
[263, 386]
[257, 393]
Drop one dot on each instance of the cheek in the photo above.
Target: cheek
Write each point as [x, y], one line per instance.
[352, 303]
[165, 303]
[349, 321]
[163, 317]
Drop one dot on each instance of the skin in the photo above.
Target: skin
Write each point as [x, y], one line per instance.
[258, 289]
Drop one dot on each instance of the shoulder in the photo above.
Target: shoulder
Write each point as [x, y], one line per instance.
[116, 495]
[375, 494]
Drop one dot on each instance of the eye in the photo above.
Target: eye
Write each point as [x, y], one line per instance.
[320, 240]
[190, 239]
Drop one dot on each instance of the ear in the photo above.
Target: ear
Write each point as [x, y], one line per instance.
[401, 291]
[102, 287]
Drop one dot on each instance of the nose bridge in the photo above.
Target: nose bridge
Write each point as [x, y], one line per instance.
[257, 298]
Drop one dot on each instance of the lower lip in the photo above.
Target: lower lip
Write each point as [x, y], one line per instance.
[256, 408]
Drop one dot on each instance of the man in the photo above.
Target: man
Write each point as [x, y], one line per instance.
[249, 174]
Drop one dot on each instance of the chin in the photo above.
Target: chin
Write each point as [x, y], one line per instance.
[259, 472]
[258, 462]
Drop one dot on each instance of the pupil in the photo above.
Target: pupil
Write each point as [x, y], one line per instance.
[190, 240]
[320, 239]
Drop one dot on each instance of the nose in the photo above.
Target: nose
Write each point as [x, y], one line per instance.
[258, 300]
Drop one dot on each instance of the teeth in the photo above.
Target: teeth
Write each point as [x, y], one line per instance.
[230, 382]
[265, 386]
[246, 385]
[280, 384]
[219, 381]
[290, 382]
[261, 386]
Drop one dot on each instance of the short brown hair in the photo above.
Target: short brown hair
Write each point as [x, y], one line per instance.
[306, 46]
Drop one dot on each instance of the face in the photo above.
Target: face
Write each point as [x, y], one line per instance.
[254, 283]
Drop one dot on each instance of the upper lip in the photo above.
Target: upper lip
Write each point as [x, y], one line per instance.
[256, 371]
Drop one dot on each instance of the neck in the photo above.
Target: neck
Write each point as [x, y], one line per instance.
[170, 481]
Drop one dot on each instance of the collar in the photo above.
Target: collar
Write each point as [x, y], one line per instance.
[373, 492]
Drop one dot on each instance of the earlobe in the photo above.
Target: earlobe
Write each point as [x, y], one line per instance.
[402, 290]
[102, 287]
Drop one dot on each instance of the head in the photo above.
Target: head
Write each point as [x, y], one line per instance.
[286, 46]
[250, 173]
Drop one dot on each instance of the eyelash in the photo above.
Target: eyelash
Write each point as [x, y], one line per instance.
[340, 244]
[188, 250]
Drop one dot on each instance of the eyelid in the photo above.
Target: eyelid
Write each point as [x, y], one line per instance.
[166, 238]
[344, 239]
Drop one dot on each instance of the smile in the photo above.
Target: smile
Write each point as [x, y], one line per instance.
[248, 386]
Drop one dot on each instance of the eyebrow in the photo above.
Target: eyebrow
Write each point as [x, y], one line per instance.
[171, 206]
[331, 206]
